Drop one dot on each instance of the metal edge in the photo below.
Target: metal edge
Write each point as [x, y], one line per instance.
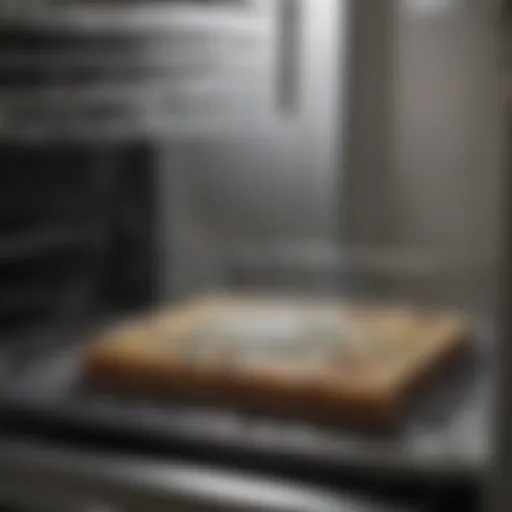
[125, 481]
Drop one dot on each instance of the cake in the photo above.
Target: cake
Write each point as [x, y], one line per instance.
[321, 360]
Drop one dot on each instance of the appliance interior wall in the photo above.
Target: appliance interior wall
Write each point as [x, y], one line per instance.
[279, 180]
[443, 183]
[283, 181]
[449, 148]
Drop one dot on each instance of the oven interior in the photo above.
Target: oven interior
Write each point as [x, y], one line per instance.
[90, 235]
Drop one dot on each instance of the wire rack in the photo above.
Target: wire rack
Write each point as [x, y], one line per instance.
[103, 72]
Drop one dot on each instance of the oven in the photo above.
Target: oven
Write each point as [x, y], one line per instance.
[151, 152]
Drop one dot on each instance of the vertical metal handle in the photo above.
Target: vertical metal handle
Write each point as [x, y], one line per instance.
[288, 15]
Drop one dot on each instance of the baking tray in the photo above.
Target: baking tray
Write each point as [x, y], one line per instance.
[61, 480]
[443, 436]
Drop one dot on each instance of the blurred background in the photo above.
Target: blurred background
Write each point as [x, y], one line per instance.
[150, 151]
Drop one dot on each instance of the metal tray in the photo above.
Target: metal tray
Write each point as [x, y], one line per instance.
[62, 480]
[443, 436]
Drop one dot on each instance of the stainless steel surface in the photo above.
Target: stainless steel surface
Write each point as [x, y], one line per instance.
[260, 178]
[372, 273]
[149, 19]
[181, 69]
[288, 72]
[317, 254]
[49, 478]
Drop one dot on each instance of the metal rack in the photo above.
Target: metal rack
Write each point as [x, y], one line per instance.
[146, 18]
[128, 72]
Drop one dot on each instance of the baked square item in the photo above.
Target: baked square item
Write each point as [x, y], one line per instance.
[320, 360]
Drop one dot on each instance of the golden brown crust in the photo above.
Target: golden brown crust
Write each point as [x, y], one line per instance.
[148, 357]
